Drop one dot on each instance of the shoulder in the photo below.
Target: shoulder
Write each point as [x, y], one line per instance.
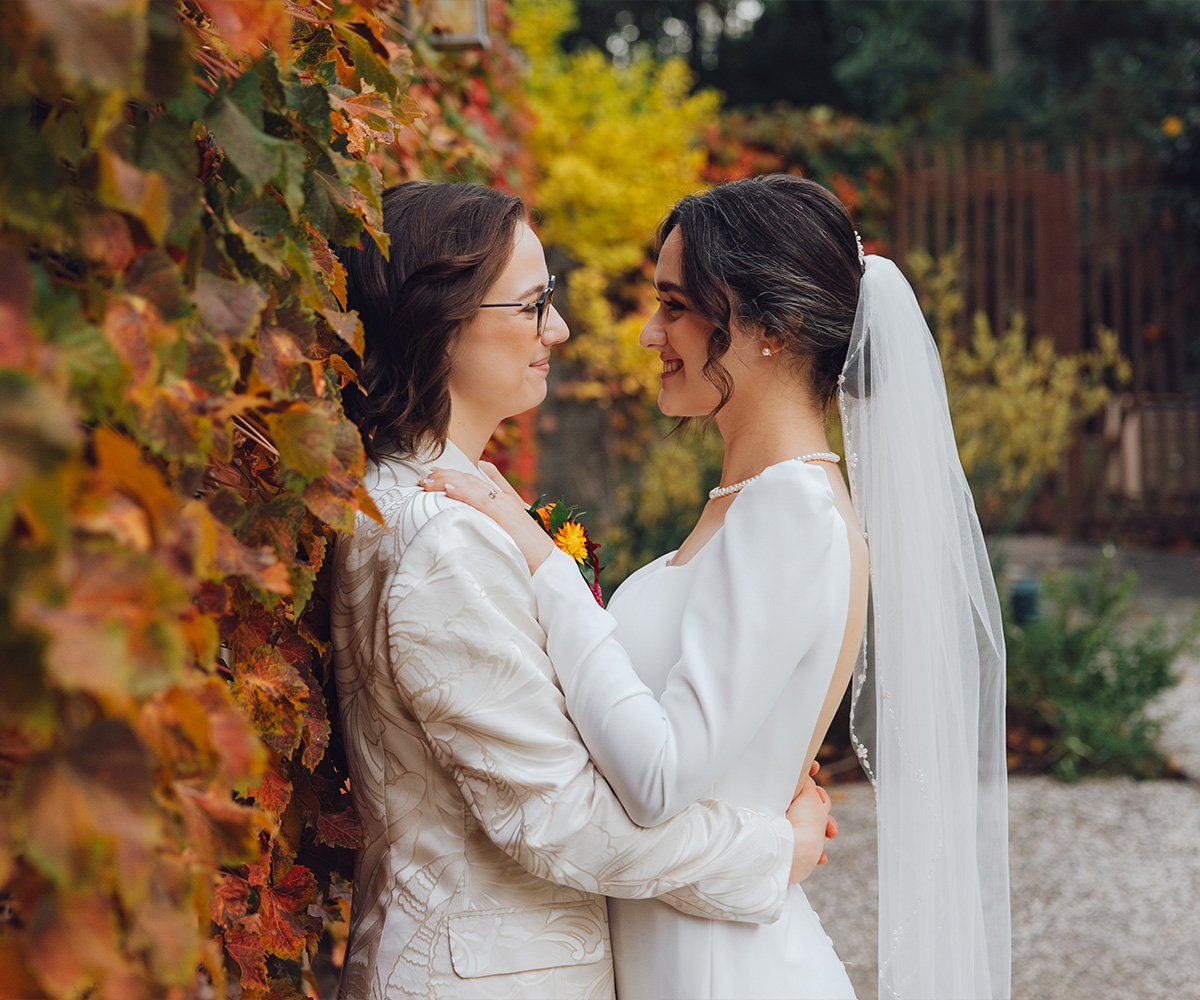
[431, 531]
[786, 491]
[787, 516]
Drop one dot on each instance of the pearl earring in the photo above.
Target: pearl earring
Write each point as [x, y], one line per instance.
[766, 352]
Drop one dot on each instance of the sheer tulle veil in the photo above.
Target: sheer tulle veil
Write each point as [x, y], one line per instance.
[928, 692]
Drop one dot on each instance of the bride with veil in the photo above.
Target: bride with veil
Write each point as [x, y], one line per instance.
[716, 668]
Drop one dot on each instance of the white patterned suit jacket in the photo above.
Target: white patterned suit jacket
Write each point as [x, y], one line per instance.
[490, 838]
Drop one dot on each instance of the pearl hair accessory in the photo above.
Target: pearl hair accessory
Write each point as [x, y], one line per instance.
[812, 456]
[862, 257]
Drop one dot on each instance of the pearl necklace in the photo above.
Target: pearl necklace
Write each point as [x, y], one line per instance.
[812, 456]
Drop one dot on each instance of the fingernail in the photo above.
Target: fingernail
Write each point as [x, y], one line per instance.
[448, 487]
[420, 482]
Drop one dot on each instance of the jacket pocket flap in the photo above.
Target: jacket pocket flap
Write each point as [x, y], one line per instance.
[522, 938]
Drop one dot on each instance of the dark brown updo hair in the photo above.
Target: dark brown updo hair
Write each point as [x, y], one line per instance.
[775, 254]
[449, 245]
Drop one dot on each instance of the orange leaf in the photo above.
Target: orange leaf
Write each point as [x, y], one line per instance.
[165, 926]
[283, 908]
[73, 943]
[274, 791]
[244, 944]
[329, 266]
[105, 238]
[342, 367]
[245, 27]
[88, 810]
[141, 193]
[17, 981]
[230, 900]
[260, 564]
[17, 343]
[218, 829]
[122, 464]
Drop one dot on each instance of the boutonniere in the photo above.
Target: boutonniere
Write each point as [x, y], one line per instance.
[568, 534]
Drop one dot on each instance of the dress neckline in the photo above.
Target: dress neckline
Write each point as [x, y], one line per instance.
[670, 558]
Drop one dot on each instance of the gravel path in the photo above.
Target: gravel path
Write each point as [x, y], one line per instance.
[1105, 873]
[1105, 889]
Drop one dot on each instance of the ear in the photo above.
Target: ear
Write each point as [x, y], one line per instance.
[769, 345]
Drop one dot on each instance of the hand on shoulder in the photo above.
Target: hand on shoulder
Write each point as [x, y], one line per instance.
[498, 501]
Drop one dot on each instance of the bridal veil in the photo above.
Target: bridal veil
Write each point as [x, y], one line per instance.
[928, 693]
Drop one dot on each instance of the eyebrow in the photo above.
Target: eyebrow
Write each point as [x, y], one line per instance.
[533, 291]
[670, 286]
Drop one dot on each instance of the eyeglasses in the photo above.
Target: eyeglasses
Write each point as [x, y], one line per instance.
[542, 305]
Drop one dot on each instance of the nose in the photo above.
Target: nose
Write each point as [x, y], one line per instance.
[652, 336]
[556, 328]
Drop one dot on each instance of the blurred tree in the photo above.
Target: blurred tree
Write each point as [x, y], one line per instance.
[753, 51]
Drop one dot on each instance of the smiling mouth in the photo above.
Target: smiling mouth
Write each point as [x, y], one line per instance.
[543, 364]
[671, 365]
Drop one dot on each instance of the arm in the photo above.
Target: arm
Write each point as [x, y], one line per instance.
[465, 651]
[759, 601]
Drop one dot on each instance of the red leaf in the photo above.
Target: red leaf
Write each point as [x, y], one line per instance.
[284, 912]
[244, 943]
[341, 829]
[230, 900]
[274, 792]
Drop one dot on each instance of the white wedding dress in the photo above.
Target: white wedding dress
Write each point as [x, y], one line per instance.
[712, 690]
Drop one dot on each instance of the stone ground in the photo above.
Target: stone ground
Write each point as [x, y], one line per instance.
[1105, 873]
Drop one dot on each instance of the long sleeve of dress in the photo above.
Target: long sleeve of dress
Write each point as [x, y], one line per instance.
[466, 654]
[761, 595]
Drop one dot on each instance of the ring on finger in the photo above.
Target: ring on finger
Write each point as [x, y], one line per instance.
[493, 493]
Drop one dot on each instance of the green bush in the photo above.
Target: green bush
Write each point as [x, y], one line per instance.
[1081, 676]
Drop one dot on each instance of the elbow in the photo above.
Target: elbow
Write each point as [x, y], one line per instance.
[650, 812]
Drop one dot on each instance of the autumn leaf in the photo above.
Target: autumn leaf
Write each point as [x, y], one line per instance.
[244, 943]
[305, 439]
[230, 900]
[217, 828]
[173, 461]
[245, 27]
[230, 309]
[141, 193]
[283, 908]
[341, 829]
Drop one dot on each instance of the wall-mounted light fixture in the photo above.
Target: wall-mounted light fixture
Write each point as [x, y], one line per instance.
[452, 24]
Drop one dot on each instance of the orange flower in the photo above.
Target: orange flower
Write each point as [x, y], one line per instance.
[572, 539]
[544, 514]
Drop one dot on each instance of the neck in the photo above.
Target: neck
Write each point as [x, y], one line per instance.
[766, 430]
[470, 436]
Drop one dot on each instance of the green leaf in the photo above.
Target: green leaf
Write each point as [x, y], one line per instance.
[305, 439]
[369, 67]
[328, 211]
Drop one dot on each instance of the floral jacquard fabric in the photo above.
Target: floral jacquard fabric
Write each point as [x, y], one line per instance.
[489, 836]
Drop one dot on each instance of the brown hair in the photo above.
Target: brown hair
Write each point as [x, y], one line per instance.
[449, 245]
[776, 254]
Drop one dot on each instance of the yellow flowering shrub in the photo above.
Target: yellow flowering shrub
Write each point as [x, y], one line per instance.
[614, 148]
[1016, 402]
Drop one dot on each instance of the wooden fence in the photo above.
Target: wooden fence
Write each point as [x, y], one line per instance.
[1077, 243]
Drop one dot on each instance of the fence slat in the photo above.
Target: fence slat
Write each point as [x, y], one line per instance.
[1074, 248]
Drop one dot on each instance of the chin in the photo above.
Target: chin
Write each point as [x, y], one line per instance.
[530, 399]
